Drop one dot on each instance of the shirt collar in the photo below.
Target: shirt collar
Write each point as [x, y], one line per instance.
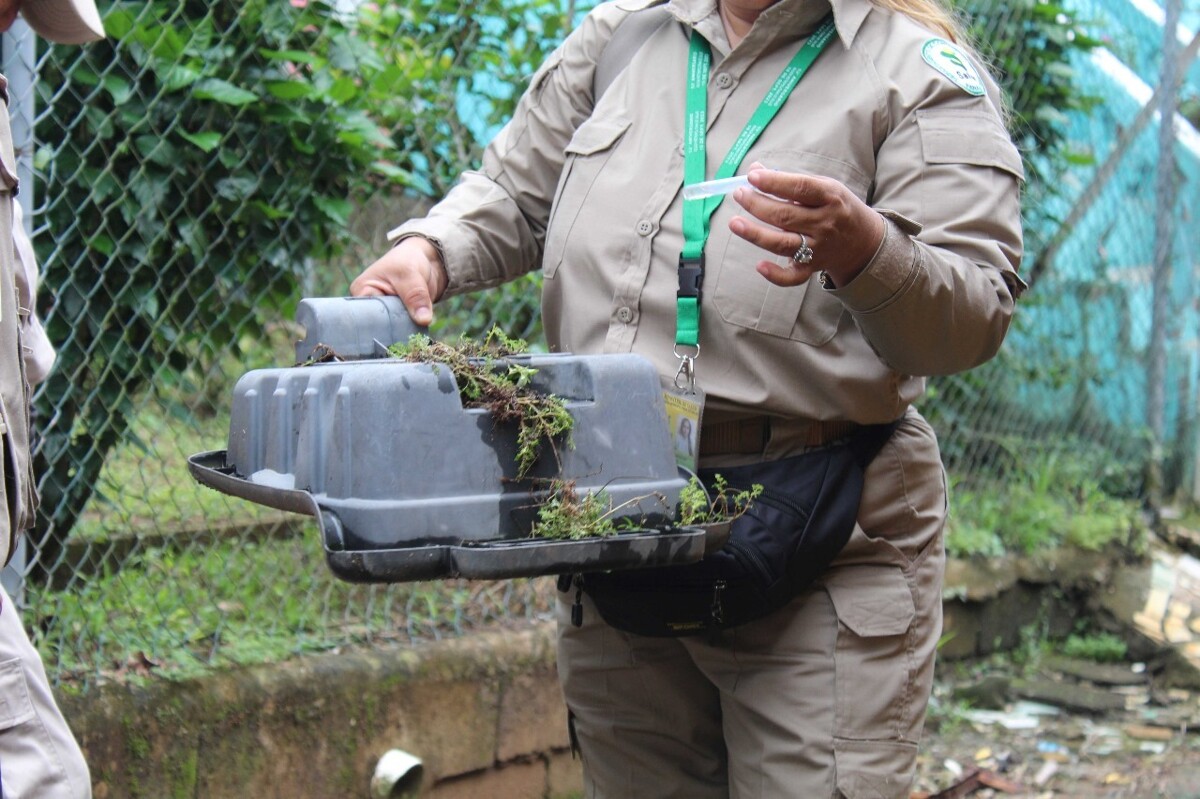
[787, 16]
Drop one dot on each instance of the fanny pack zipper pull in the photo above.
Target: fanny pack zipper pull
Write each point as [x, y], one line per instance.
[577, 608]
[718, 611]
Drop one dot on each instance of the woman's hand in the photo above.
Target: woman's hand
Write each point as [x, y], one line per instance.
[412, 271]
[791, 211]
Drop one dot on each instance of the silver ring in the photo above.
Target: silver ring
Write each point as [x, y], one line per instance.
[804, 255]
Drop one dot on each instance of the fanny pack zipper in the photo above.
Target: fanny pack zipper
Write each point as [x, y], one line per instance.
[782, 502]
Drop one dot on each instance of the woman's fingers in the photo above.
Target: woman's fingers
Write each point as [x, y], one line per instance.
[770, 237]
[411, 271]
[793, 187]
[814, 222]
[785, 275]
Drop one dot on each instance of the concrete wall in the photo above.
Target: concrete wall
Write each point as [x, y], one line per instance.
[484, 713]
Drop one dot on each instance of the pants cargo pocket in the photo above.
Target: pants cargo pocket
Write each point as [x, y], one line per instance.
[878, 713]
[31, 761]
[874, 769]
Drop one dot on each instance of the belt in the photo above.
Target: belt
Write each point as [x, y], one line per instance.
[749, 436]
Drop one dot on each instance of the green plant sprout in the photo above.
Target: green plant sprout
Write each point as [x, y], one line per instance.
[567, 515]
[504, 388]
[485, 380]
[720, 504]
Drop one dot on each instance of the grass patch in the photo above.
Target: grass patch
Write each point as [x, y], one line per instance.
[1101, 647]
[175, 614]
[145, 484]
[1051, 502]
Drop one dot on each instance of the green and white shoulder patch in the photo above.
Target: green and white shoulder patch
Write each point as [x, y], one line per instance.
[952, 62]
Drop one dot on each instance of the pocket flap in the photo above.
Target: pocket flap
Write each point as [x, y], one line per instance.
[871, 601]
[967, 137]
[15, 705]
[597, 134]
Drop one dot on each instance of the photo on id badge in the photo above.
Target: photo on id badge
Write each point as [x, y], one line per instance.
[683, 419]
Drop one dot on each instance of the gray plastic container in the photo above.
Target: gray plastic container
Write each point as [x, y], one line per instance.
[408, 484]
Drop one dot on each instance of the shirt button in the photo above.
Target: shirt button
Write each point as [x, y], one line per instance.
[724, 80]
[645, 227]
[624, 315]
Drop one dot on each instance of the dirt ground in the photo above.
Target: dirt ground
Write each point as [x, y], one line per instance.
[1066, 730]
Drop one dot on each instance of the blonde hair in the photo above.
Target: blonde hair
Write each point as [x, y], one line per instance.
[930, 14]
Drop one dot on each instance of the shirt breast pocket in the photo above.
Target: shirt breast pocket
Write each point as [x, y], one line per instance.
[587, 153]
[805, 313]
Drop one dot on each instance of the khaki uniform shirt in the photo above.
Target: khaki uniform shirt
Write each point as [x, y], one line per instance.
[17, 492]
[590, 192]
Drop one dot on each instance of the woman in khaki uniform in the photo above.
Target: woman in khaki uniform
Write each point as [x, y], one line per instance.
[39, 756]
[879, 248]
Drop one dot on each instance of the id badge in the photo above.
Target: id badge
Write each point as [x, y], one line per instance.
[684, 409]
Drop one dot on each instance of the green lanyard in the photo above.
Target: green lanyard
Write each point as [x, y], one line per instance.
[697, 214]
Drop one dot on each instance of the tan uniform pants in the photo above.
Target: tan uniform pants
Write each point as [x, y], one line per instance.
[39, 758]
[824, 698]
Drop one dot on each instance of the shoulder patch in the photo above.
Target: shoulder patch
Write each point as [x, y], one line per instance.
[952, 62]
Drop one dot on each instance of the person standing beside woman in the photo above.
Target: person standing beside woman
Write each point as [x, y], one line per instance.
[39, 757]
[876, 244]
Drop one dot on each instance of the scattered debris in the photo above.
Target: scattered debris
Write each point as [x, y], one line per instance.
[1145, 732]
[972, 780]
[1049, 769]
[1079, 729]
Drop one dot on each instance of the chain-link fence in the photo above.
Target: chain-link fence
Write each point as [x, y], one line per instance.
[208, 165]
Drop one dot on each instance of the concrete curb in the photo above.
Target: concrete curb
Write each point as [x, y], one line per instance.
[484, 713]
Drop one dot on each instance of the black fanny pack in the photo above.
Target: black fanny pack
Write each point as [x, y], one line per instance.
[777, 548]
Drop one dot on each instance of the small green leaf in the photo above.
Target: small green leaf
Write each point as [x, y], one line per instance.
[271, 211]
[289, 89]
[393, 172]
[236, 188]
[337, 210]
[102, 244]
[118, 88]
[343, 89]
[207, 141]
[293, 56]
[224, 92]
[179, 76]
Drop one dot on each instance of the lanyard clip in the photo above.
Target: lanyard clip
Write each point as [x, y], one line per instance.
[691, 275]
[685, 377]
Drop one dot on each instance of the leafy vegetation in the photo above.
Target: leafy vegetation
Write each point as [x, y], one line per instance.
[567, 515]
[1052, 500]
[716, 505]
[487, 380]
[205, 156]
[145, 486]
[1030, 45]
[1102, 647]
